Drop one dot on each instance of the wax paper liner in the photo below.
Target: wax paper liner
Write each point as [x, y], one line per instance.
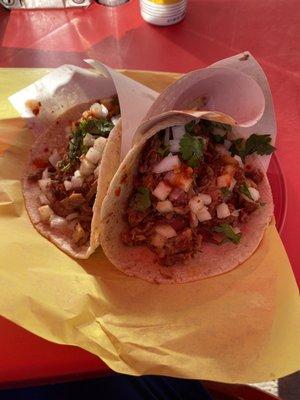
[242, 326]
[236, 86]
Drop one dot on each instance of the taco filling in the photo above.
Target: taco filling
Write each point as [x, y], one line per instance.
[194, 184]
[68, 178]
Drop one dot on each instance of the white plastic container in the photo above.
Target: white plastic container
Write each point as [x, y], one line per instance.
[163, 12]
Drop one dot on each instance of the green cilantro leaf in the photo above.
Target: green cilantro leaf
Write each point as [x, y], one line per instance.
[243, 188]
[98, 127]
[217, 130]
[141, 199]
[229, 233]
[163, 150]
[260, 144]
[225, 192]
[189, 127]
[191, 148]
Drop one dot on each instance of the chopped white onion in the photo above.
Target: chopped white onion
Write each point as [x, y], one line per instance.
[100, 144]
[196, 204]
[99, 110]
[88, 140]
[218, 131]
[77, 173]
[180, 180]
[236, 230]
[224, 180]
[44, 184]
[86, 167]
[76, 181]
[164, 206]
[93, 155]
[165, 230]
[68, 185]
[227, 144]
[174, 146]
[71, 216]
[232, 185]
[178, 131]
[223, 211]
[162, 190]
[115, 119]
[203, 215]
[168, 163]
[235, 213]
[54, 158]
[206, 198]
[222, 150]
[239, 160]
[158, 240]
[57, 222]
[45, 213]
[254, 193]
[193, 220]
[43, 199]
[45, 174]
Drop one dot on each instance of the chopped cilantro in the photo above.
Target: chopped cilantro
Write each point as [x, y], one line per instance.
[98, 127]
[189, 127]
[191, 148]
[225, 192]
[228, 232]
[141, 199]
[217, 130]
[163, 150]
[260, 144]
[243, 188]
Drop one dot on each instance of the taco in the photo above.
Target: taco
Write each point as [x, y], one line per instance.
[189, 201]
[69, 170]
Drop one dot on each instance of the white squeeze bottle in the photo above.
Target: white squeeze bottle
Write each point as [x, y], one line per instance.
[163, 12]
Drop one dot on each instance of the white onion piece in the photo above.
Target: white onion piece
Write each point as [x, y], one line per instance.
[232, 185]
[164, 206]
[254, 193]
[223, 211]
[222, 150]
[218, 131]
[96, 171]
[165, 230]
[76, 181]
[168, 163]
[57, 222]
[86, 167]
[158, 240]
[239, 160]
[45, 174]
[93, 155]
[45, 213]
[71, 216]
[99, 144]
[54, 158]
[206, 198]
[44, 184]
[193, 220]
[235, 213]
[236, 230]
[227, 144]
[178, 131]
[203, 215]
[77, 173]
[115, 119]
[162, 190]
[68, 185]
[99, 110]
[180, 180]
[174, 146]
[196, 204]
[43, 199]
[88, 140]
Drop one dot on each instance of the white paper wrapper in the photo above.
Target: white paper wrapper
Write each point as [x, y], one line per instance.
[236, 86]
[69, 85]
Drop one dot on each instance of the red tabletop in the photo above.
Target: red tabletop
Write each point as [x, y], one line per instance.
[212, 29]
